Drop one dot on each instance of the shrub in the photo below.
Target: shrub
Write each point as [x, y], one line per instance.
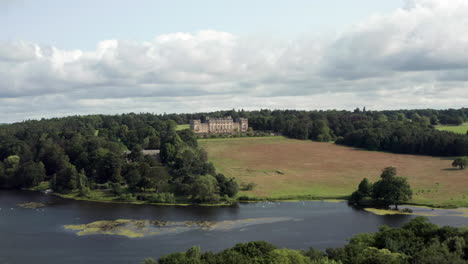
[126, 197]
[84, 191]
[243, 198]
[248, 186]
[116, 188]
[162, 198]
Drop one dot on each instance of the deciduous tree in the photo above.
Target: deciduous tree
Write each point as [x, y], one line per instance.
[461, 162]
[391, 190]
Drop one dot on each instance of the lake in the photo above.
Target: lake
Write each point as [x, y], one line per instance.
[39, 236]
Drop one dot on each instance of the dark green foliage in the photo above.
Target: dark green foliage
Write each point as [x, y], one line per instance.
[253, 249]
[418, 242]
[107, 165]
[356, 197]
[29, 174]
[461, 163]
[3, 178]
[53, 157]
[411, 138]
[149, 261]
[116, 189]
[96, 146]
[364, 190]
[314, 254]
[227, 186]
[320, 131]
[392, 131]
[133, 177]
[66, 179]
[162, 198]
[168, 152]
[154, 142]
[205, 189]
[391, 190]
[136, 154]
[126, 197]
[365, 187]
[189, 137]
[247, 186]
[388, 173]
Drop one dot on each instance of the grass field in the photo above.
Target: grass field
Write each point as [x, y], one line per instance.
[456, 129]
[286, 169]
[182, 127]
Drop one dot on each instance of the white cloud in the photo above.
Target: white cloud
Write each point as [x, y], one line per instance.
[416, 56]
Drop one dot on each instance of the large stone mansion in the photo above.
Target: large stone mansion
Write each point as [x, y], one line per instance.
[224, 125]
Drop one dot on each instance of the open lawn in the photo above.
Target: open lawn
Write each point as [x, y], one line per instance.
[462, 129]
[286, 168]
[182, 127]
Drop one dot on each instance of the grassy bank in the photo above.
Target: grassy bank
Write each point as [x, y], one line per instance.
[106, 196]
[291, 169]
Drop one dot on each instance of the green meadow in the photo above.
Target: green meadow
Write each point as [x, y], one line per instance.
[182, 127]
[461, 129]
[282, 168]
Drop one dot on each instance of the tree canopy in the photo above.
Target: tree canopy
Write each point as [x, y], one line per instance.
[101, 152]
[418, 241]
[389, 190]
[461, 162]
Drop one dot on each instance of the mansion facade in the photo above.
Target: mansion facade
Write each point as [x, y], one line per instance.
[226, 125]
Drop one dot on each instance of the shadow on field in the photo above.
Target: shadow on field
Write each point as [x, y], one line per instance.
[447, 158]
[451, 169]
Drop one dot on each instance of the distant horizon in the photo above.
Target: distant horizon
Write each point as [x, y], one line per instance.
[223, 110]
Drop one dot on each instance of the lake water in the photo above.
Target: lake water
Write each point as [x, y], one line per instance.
[39, 236]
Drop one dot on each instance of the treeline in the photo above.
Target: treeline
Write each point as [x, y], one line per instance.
[417, 242]
[86, 153]
[262, 119]
[405, 131]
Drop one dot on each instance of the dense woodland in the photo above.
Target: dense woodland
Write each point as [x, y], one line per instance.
[80, 154]
[417, 242]
[406, 131]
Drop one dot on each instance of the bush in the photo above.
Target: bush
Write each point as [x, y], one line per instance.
[162, 198]
[116, 188]
[84, 191]
[126, 197]
[142, 197]
[243, 198]
[248, 186]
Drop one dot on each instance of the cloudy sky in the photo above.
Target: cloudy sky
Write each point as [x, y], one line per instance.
[80, 57]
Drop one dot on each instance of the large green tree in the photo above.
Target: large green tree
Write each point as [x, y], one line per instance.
[29, 174]
[67, 179]
[205, 189]
[391, 189]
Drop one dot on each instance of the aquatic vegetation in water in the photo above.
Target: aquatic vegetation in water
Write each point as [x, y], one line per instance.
[421, 211]
[142, 228]
[31, 205]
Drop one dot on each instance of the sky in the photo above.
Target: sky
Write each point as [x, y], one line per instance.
[61, 58]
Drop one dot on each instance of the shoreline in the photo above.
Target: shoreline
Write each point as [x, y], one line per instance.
[329, 199]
